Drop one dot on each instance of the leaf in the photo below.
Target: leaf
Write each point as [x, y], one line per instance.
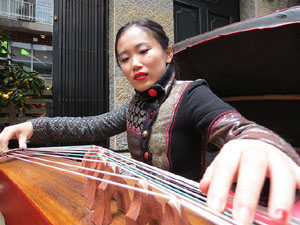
[6, 80]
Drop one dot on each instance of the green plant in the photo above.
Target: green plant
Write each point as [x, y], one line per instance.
[16, 84]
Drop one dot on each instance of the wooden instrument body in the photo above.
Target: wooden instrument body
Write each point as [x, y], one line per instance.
[45, 190]
[34, 194]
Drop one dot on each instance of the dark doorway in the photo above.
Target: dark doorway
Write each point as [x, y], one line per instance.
[80, 58]
[193, 17]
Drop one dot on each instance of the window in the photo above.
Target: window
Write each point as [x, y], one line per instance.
[34, 57]
[44, 11]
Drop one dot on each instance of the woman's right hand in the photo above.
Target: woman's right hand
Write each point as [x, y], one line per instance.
[22, 132]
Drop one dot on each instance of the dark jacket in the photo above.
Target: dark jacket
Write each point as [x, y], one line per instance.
[179, 125]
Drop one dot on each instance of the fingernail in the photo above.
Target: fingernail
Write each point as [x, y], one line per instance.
[243, 215]
[199, 187]
[200, 184]
[24, 147]
[281, 215]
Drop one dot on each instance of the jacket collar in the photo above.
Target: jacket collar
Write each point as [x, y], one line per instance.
[161, 87]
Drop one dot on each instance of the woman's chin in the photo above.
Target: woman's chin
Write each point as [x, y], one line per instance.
[142, 88]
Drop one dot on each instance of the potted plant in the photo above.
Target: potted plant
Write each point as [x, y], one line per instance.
[16, 84]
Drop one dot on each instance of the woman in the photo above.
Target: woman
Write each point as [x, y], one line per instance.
[169, 124]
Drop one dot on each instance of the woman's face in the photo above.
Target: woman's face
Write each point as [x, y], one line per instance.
[142, 58]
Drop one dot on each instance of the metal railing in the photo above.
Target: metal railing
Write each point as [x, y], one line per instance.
[19, 9]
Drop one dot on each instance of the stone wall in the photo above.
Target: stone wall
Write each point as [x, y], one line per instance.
[252, 8]
[120, 13]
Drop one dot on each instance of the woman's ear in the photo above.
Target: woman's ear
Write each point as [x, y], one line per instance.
[169, 54]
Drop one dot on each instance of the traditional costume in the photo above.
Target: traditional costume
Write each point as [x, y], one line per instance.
[169, 126]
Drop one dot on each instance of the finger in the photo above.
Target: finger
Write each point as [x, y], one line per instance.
[297, 173]
[283, 186]
[251, 177]
[224, 172]
[5, 136]
[3, 146]
[23, 142]
[205, 181]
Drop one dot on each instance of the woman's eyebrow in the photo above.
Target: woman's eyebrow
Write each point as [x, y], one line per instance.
[122, 53]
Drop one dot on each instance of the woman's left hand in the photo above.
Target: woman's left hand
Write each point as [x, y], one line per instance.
[249, 162]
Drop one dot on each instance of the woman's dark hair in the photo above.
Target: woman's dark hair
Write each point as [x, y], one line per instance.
[148, 25]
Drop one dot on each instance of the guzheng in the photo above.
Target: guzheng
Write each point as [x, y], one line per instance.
[93, 185]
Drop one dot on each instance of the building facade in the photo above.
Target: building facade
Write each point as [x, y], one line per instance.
[162, 11]
[31, 23]
[30, 26]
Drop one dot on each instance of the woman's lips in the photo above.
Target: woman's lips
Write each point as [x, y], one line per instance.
[140, 76]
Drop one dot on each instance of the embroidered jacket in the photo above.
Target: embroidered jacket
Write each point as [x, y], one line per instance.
[170, 131]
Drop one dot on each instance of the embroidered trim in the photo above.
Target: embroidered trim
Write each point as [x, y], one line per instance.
[134, 131]
[169, 130]
[143, 111]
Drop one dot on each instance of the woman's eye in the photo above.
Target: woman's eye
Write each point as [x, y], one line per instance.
[124, 60]
[143, 51]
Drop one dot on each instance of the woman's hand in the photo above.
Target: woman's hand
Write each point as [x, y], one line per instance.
[22, 132]
[249, 162]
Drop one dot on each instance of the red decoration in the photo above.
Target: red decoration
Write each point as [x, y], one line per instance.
[152, 92]
[146, 155]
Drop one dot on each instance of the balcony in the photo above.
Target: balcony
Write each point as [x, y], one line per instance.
[26, 11]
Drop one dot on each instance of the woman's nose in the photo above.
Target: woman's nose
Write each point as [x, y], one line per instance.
[136, 63]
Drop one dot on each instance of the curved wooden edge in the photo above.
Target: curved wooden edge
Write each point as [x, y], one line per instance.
[16, 207]
[57, 194]
[262, 98]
